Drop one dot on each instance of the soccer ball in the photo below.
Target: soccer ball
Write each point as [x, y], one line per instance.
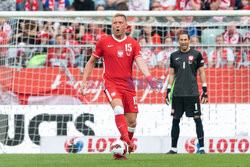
[119, 147]
[73, 145]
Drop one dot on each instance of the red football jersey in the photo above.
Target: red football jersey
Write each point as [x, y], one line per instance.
[118, 57]
[185, 5]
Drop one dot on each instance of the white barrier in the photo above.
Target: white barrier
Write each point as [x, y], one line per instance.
[219, 120]
[148, 144]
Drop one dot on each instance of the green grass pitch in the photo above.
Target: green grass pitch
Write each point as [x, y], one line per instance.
[134, 160]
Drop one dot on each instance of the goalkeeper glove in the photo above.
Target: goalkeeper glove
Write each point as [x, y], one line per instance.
[168, 96]
[154, 83]
[204, 96]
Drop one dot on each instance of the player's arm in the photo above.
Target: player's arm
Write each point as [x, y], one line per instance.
[170, 83]
[204, 96]
[87, 71]
[154, 84]
[142, 66]
[171, 77]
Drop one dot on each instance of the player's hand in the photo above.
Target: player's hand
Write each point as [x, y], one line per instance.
[82, 88]
[154, 83]
[204, 96]
[168, 96]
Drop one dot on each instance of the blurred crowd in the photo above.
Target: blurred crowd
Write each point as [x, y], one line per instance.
[57, 42]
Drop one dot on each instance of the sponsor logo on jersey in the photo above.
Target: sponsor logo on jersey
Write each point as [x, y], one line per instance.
[120, 53]
[177, 58]
[110, 46]
[128, 54]
[113, 94]
[190, 59]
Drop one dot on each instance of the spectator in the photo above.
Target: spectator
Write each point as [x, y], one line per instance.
[227, 5]
[243, 57]
[6, 28]
[100, 6]
[220, 56]
[163, 57]
[146, 33]
[79, 28]
[245, 4]
[3, 41]
[194, 40]
[168, 4]
[69, 36]
[7, 5]
[232, 36]
[174, 33]
[30, 5]
[238, 4]
[93, 35]
[59, 56]
[83, 5]
[111, 4]
[221, 5]
[50, 27]
[19, 56]
[57, 5]
[43, 39]
[159, 30]
[138, 5]
[212, 4]
[156, 6]
[188, 5]
[90, 38]
[29, 28]
[146, 52]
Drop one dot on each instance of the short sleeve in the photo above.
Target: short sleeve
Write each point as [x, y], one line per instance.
[200, 61]
[98, 49]
[137, 50]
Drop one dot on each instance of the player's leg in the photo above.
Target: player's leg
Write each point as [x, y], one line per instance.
[177, 112]
[131, 111]
[193, 109]
[199, 132]
[120, 120]
[174, 135]
[131, 121]
[115, 99]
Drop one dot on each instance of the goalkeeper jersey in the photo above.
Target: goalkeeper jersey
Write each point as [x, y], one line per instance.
[185, 68]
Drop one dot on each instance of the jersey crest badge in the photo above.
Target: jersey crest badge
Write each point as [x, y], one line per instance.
[120, 53]
[190, 59]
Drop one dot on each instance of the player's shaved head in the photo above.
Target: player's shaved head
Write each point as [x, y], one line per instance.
[120, 15]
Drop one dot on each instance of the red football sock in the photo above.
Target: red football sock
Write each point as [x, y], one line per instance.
[121, 124]
[130, 134]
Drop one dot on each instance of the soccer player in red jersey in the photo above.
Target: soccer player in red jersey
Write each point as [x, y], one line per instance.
[119, 52]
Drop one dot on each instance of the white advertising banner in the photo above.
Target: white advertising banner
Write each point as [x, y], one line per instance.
[144, 144]
[23, 126]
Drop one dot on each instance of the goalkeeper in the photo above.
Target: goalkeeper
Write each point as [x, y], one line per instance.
[184, 64]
